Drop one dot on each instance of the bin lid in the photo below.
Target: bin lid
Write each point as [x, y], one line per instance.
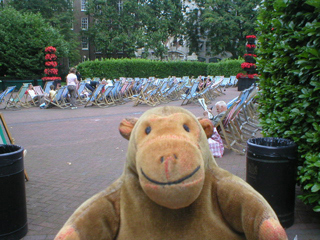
[273, 147]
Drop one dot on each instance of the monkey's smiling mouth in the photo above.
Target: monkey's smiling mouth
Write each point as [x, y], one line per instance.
[172, 182]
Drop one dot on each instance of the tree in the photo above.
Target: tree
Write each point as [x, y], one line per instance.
[24, 37]
[124, 26]
[58, 13]
[224, 25]
[116, 26]
[162, 19]
[289, 63]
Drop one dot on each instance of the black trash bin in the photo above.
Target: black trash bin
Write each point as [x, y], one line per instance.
[13, 210]
[271, 170]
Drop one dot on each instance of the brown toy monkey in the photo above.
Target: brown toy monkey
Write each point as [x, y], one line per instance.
[172, 188]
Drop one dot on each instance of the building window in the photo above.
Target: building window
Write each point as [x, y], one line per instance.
[84, 23]
[83, 5]
[85, 43]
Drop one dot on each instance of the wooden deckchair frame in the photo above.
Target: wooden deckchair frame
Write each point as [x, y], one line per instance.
[8, 91]
[93, 99]
[20, 99]
[227, 131]
[105, 99]
[58, 99]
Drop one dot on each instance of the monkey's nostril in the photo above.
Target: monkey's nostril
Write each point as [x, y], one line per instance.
[161, 159]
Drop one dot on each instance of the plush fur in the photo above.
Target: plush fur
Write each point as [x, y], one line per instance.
[172, 188]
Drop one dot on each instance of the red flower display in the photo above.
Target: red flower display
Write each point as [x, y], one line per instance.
[248, 65]
[51, 71]
[245, 80]
[51, 57]
[249, 54]
[51, 78]
[251, 36]
[50, 49]
[51, 64]
[251, 46]
[244, 75]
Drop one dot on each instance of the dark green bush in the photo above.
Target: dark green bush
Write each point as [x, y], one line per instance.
[289, 64]
[225, 68]
[115, 68]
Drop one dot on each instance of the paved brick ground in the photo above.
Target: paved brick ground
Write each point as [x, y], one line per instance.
[73, 154]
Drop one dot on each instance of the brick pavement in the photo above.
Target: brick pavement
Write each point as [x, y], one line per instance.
[73, 154]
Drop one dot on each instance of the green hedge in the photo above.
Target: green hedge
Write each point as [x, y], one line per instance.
[225, 68]
[289, 62]
[115, 68]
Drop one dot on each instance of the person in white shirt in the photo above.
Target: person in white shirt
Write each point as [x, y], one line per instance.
[37, 99]
[72, 83]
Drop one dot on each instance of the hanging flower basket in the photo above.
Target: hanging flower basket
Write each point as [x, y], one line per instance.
[50, 49]
[251, 39]
[51, 65]
[244, 75]
[247, 65]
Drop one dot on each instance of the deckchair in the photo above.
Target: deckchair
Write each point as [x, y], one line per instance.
[114, 94]
[105, 99]
[215, 89]
[20, 98]
[191, 95]
[39, 91]
[172, 93]
[233, 81]
[228, 133]
[161, 93]
[47, 86]
[204, 93]
[239, 128]
[245, 118]
[128, 92]
[122, 91]
[6, 95]
[33, 100]
[225, 81]
[81, 98]
[93, 99]
[147, 96]
[59, 98]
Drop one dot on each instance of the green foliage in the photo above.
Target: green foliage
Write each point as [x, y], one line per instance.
[58, 14]
[225, 68]
[224, 23]
[115, 68]
[134, 24]
[309, 176]
[289, 63]
[23, 40]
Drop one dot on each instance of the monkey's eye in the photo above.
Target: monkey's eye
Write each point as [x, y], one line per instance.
[148, 130]
[185, 126]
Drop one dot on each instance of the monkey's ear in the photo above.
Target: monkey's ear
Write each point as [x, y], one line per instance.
[207, 126]
[126, 126]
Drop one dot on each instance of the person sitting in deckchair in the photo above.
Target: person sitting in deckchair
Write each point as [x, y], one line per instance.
[52, 93]
[215, 141]
[221, 108]
[36, 99]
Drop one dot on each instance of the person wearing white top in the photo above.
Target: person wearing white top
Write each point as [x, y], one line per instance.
[72, 83]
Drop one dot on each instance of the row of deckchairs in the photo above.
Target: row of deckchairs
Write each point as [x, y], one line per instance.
[240, 121]
[149, 91]
[21, 99]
